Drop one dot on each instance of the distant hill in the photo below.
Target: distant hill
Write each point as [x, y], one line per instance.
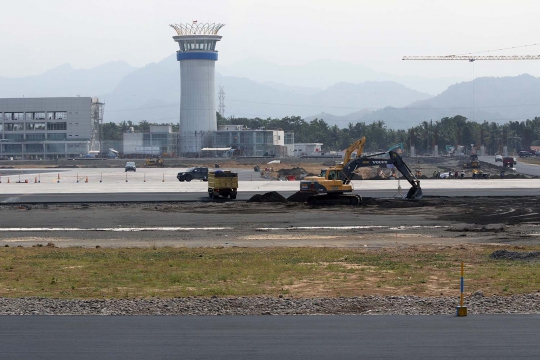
[152, 93]
[342, 97]
[496, 99]
[325, 73]
[66, 81]
[341, 121]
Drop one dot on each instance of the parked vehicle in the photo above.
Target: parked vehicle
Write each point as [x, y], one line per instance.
[509, 162]
[524, 153]
[130, 166]
[200, 173]
[446, 175]
[222, 183]
[498, 158]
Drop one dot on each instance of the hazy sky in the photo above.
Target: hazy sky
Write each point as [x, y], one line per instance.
[38, 35]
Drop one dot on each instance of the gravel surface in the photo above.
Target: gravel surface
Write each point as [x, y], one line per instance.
[369, 305]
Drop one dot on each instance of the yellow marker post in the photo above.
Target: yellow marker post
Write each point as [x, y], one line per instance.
[461, 310]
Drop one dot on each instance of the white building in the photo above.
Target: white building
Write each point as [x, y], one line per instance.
[307, 149]
[48, 128]
[245, 142]
[197, 57]
[159, 141]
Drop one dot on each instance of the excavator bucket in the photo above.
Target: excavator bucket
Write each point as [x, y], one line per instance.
[415, 193]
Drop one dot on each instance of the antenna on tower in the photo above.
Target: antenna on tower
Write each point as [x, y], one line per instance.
[221, 97]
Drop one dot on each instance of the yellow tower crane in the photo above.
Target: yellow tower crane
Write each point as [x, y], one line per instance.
[472, 58]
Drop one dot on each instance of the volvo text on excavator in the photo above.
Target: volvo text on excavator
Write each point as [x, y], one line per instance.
[333, 185]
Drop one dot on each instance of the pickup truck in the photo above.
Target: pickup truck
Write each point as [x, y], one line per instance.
[193, 173]
[222, 183]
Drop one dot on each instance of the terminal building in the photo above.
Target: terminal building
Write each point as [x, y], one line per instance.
[260, 142]
[159, 141]
[49, 128]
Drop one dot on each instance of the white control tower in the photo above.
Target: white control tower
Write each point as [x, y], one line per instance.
[197, 57]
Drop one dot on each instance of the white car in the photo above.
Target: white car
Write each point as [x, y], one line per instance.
[446, 175]
[498, 158]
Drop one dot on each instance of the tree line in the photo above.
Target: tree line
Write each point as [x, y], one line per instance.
[449, 131]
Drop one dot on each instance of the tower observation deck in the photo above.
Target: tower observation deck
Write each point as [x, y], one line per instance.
[197, 57]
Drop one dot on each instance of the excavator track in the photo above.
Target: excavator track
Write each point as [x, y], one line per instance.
[342, 199]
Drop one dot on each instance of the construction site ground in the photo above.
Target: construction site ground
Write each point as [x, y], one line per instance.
[377, 223]
[479, 225]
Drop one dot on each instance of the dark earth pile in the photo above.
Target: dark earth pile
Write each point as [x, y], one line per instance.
[298, 197]
[297, 171]
[518, 176]
[514, 255]
[271, 196]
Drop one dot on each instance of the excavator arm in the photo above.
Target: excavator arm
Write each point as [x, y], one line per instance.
[357, 146]
[414, 193]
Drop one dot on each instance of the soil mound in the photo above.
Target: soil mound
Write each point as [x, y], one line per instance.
[297, 171]
[271, 196]
[516, 176]
[298, 197]
[514, 255]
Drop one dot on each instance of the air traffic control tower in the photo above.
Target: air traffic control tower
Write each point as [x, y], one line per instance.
[197, 57]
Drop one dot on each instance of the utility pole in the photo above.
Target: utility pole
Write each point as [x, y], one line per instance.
[221, 97]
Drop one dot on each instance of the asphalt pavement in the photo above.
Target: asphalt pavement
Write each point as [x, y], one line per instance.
[521, 167]
[270, 337]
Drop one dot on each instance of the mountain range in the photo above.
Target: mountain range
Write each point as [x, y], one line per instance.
[152, 93]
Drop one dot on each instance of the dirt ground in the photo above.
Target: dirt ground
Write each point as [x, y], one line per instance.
[384, 226]
[376, 223]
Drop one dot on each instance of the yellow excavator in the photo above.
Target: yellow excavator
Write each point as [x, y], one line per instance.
[473, 162]
[154, 162]
[333, 185]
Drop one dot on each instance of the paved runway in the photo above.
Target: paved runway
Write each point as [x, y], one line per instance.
[270, 337]
[94, 185]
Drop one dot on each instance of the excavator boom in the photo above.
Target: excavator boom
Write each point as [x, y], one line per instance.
[357, 146]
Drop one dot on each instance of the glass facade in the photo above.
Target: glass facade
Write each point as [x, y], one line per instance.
[35, 137]
[199, 44]
[247, 142]
[38, 128]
